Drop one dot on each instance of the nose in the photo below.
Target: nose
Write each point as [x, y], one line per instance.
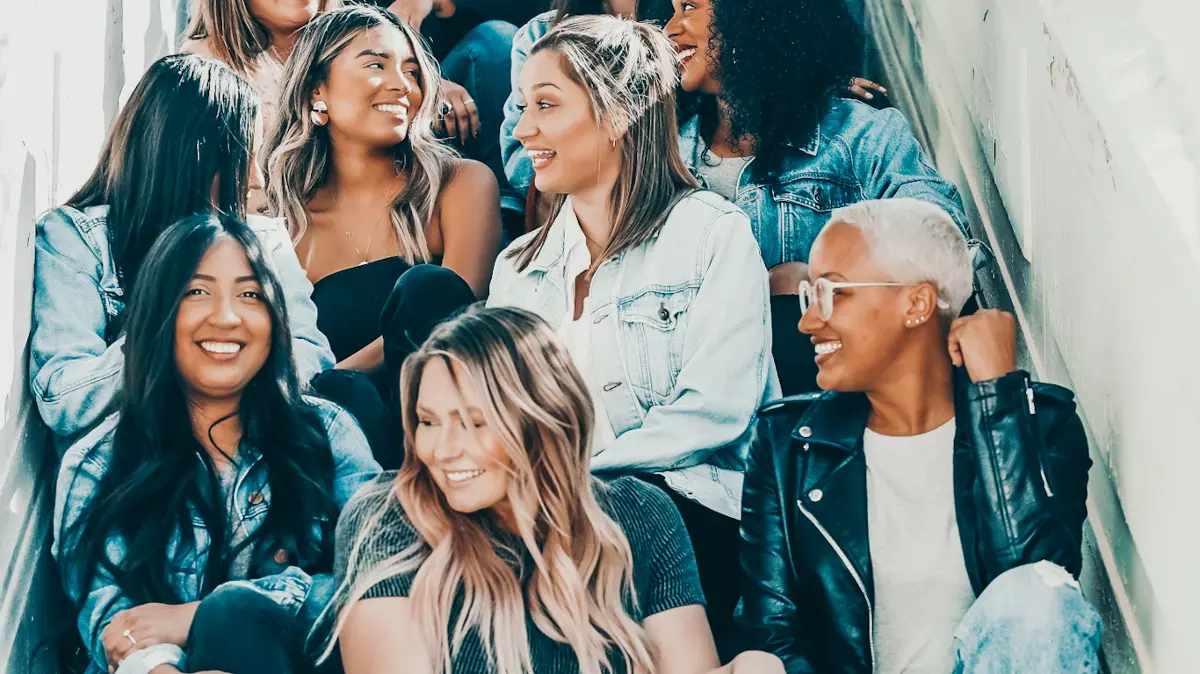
[399, 83]
[525, 128]
[674, 27]
[225, 314]
[451, 442]
[810, 320]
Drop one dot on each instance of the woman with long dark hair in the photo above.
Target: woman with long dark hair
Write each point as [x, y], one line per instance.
[769, 131]
[199, 516]
[182, 145]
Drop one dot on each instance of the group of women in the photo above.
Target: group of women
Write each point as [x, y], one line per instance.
[269, 292]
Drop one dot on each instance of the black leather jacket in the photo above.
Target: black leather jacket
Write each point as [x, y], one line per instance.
[1020, 483]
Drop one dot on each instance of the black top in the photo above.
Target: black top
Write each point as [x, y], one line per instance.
[664, 566]
[350, 301]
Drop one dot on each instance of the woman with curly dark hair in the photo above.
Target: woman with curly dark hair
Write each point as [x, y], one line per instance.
[771, 133]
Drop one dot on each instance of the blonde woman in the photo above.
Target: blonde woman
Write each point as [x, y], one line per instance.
[368, 192]
[494, 549]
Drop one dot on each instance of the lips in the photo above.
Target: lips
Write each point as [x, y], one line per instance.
[394, 109]
[825, 350]
[540, 158]
[685, 54]
[460, 476]
[221, 350]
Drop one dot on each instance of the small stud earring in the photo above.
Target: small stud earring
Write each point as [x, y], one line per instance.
[908, 322]
[317, 114]
[614, 143]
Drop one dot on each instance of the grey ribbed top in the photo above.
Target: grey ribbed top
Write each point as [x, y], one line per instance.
[664, 566]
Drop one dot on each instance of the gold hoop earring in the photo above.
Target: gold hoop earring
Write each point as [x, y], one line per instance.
[318, 115]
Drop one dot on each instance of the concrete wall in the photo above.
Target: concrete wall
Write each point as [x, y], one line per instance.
[65, 68]
[1074, 128]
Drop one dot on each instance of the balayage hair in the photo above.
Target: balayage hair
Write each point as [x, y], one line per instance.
[630, 72]
[536, 402]
[232, 33]
[300, 154]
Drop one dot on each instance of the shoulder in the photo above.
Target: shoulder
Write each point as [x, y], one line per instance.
[467, 178]
[333, 417]
[701, 212]
[91, 453]
[199, 47]
[641, 510]
[534, 30]
[796, 403]
[851, 120]
[68, 220]
[374, 513]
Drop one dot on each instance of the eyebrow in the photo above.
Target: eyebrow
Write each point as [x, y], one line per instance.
[830, 274]
[426, 410]
[240, 279]
[374, 52]
[543, 85]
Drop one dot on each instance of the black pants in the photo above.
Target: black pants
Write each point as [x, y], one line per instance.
[422, 299]
[793, 351]
[715, 540]
[240, 630]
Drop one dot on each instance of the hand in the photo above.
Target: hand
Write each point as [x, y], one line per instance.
[148, 624]
[462, 122]
[985, 343]
[864, 89]
[756, 662]
[785, 278]
[413, 12]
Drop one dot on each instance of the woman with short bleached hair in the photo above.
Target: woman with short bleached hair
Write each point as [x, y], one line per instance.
[494, 548]
[891, 523]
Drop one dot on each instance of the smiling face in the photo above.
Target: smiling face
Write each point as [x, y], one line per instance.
[373, 88]
[866, 335]
[283, 16]
[223, 327]
[570, 151]
[690, 28]
[465, 458]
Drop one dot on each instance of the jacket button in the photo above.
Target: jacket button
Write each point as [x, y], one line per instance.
[281, 556]
[816, 495]
[256, 498]
[805, 432]
[663, 314]
[806, 446]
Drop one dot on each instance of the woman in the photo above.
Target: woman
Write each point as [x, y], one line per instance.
[181, 145]
[657, 289]
[253, 37]
[925, 514]
[199, 516]
[493, 549]
[366, 188]
[770, 134]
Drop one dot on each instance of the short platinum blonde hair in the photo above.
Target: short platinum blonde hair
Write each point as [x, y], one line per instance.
[914, 241]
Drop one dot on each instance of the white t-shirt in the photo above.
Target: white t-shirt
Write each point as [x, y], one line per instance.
[922, 590]
[577, 335]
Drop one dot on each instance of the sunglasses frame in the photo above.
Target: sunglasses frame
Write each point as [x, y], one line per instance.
[808, 293]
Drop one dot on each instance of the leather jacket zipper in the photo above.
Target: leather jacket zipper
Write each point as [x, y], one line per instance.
[862, 587]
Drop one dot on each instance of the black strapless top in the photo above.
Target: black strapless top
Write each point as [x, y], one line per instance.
[349, 302]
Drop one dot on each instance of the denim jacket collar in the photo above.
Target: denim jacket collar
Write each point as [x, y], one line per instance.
[550, 255]
[690, 140]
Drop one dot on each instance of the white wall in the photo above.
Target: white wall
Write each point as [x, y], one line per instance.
[1074, 128]
[65, 67]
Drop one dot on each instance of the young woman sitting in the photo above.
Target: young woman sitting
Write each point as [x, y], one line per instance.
[181, 145]
[194, 526]
[494, 548]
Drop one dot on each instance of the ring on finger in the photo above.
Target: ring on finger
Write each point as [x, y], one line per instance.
[468, 101]
[129, 636]
[447, 108]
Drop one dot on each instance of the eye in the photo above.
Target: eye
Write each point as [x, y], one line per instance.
[193, 292]
[253, 294]
[375, 64]
[521, 107]
[427, 423]
[414, 73]
[543, 105]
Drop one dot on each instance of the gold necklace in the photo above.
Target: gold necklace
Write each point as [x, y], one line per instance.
[365, 255]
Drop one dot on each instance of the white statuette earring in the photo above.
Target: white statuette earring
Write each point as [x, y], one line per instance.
[317, 115]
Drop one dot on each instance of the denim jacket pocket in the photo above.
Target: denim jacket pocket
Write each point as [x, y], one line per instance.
[805, 204]
[653, 323]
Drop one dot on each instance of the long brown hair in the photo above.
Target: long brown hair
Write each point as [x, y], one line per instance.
[232, 33]
[630, 72]
[537, 404]
[300, 154]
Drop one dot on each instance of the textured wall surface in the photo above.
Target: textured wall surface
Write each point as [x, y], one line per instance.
[65, 67]
[1074, 128]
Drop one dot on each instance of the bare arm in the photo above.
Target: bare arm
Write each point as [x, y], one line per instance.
[367, 359]
[683, 644]
[381, 636]
[469, 220]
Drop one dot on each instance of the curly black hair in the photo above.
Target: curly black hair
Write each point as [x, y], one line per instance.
[780, 63]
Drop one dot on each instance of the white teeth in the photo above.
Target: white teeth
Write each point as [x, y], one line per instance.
[221, 347]
[828, 347]
[686, 54]
[392, 109]
[541, 157]
[461, 475]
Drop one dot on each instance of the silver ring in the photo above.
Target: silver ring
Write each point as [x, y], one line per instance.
[129, 636]
[468, 100]
[447, 108]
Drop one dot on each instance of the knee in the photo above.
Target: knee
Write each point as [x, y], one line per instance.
[343, 386]
[233, 604]
[424, 296]
[1033, 604]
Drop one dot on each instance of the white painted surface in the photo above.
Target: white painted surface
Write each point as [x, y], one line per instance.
[1074, 127]
[65, 66]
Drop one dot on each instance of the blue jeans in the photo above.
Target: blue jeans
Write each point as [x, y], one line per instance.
[482, 63]
[1031, 619]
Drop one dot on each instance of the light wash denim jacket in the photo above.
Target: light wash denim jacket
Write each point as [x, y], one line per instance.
[285, 582]
[680, 343]
[859, 153]
[75, 363]
[517, 166]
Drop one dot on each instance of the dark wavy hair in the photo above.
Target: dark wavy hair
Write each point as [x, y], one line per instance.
[780, 65]
[188, 125]
[159, 471]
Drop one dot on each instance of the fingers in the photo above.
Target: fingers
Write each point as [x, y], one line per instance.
[473, 117]
[954, 343]
[462, 119]
[865, 89]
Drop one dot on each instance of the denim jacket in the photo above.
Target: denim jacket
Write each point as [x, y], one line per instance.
[75, 360]
[680, 343]
[275, 570]
[517, 166]
[859, 153]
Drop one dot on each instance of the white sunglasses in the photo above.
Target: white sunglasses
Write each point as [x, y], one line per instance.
[820, 294]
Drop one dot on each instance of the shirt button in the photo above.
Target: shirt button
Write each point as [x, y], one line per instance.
[805, 432]
[281, 556]
[816, 495]
[256, 498]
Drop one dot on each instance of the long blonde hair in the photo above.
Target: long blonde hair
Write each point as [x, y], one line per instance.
[299, 153]
[630, 72]
[233, 35]
[536, 402]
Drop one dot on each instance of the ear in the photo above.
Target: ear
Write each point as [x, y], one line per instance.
[922, 305]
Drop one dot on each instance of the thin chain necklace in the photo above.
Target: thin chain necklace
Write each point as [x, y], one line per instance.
[364, 255]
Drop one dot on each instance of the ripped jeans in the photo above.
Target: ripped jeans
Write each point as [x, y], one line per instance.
[1031, 619]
